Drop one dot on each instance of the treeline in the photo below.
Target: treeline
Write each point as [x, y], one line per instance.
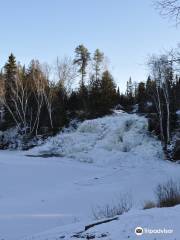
[159, 99]
[42, 99]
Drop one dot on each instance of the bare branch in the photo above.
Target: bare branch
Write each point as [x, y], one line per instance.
[169, 8]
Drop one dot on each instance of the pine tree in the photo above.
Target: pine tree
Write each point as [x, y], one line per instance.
[81, 59]
[97, 62]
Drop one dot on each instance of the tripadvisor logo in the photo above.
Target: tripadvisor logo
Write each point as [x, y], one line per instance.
[139, 231]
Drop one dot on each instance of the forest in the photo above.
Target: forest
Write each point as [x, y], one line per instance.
[90, 141]
[39, 100]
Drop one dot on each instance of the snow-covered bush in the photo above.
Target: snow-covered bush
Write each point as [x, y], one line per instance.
[109, 211]
[173, 149]
[168, 194]
[14, 138]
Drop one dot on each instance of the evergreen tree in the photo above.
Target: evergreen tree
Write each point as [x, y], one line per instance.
[118, 91]
[10, 78]
[11, 69]
[97, 62]
[141, 96]
[95, 84]
[177, 93]
[94, 95]
[2, 91]
[73, 103]
[129, 91]
[81, 59]
[108, 92]
[118, 96]
[83, 97]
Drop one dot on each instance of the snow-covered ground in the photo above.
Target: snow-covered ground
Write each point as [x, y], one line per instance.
[45, 198]
[157, 224]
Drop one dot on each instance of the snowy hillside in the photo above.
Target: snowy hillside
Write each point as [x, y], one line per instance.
[48, 198]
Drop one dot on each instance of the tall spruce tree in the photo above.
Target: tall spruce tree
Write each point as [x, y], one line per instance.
[10, 78]
[11, 68]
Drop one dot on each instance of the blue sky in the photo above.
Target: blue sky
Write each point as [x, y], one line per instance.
[126, 31]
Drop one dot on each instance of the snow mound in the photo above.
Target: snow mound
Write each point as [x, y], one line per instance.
[154, 223]
[105, 139]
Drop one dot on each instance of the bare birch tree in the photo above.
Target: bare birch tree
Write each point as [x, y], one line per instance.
[49, 91]
[156, 74]
[66, 73]
[19, 99]
[39, 84]
[162, 72]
